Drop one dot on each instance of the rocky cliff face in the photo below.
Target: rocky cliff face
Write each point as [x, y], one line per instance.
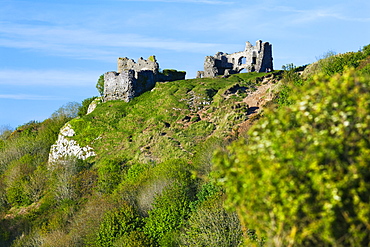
[65, 147]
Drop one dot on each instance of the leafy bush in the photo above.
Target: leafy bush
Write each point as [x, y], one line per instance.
[366, 69]
[109, 174]
[169, 212]
[5, 132]
[65, 173]
[206, 191]
[332, 63]
[135, 171]
[171, 204]
[85, 106]
[16, 181]
[100, 85]
[117, 223]
[290, 80]
[366, 50]
[302, 176]
[133, 239]
[211, 225]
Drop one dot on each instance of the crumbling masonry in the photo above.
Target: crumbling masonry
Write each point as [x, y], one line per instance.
[254, 58]
[134, 78]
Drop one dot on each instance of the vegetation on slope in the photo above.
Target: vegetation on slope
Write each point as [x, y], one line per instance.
[301, 177]
[298, 177]
[150, 175]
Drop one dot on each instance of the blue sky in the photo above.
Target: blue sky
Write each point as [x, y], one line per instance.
[53, 52]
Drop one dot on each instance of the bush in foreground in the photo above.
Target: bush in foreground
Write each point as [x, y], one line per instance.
[302, 177]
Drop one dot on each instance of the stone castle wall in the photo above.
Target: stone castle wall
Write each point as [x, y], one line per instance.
[134, 78]
[253, 58]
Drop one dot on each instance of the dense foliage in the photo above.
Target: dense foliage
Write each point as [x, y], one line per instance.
[100, 85]
[298, 177]
[24, 177]
[301, 177]
[153, 155]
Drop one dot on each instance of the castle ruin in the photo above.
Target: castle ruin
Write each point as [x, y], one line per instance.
[254, 58]
[134, 78]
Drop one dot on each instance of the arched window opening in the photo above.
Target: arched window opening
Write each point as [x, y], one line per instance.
[242, 60]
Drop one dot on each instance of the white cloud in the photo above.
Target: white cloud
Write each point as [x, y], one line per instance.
[270, 17]
[49, 78]
[336, 12]
[29, 97]
[86, 43]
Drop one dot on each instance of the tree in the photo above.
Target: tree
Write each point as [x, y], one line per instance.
[302, 176]
[5, 132]
[100, 85]
[69, 111]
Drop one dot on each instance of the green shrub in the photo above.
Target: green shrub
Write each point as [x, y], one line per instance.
[17, 181]
[366, 69]
[211, 225]
[168, 214]
[117, 223]
[366, 50]
[162, 176]
[85, 106]
[110, 173]
[133, 239]
[135, 171]
[100, 85]
[290, 80]
[336, 63]
[301, 178]
[206, 191]
[65, 174]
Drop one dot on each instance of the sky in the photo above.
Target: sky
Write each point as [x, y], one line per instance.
[53, 52]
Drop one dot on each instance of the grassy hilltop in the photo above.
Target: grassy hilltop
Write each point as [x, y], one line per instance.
[255, 159]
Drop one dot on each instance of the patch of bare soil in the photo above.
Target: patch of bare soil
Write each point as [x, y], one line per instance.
[257, 100]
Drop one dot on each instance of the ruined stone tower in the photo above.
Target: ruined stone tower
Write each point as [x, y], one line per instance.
[253, 58]
[134, 78]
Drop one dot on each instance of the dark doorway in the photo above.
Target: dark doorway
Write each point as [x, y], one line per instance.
[254, 58]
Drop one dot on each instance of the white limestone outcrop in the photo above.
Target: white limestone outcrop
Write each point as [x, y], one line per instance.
[65, 147]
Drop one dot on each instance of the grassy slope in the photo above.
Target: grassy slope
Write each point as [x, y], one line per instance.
[182, 119]
[142, 146]
[167, 122]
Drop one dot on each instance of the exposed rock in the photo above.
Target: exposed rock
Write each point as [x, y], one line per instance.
[65, 146]
[93, 105]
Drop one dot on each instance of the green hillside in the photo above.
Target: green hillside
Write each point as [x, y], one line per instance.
[254, 159]
[169, 122]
